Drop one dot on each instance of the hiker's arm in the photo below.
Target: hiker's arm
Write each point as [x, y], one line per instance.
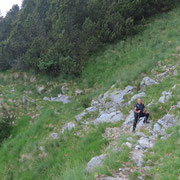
[135, 110]
[144, 110]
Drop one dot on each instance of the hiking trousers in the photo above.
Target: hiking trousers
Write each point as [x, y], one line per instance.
[137, 116]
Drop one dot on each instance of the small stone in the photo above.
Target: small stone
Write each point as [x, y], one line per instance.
[120, 169]
[109, 118]
[41, 148]
[129, 118]
[69, 126]
[46, 99]
[145, 143]
[78, 92]
[95, 162]
[137, 157]
[40, 89]
[136, 96]
[54, 135]
[178, 104]
[141, 134]
[157, 128]
[129, 145]
[165, 97]
[64, 89]
[147, 81]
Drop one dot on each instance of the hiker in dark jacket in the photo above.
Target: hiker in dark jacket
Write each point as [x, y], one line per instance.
[140, 111]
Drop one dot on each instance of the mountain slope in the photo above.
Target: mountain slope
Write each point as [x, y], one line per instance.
[34, 152]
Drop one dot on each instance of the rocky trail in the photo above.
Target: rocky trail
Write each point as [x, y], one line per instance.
[108, 107]
[142, 146]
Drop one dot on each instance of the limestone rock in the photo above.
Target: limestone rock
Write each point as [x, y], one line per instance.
[129, 118]
[141, 134]
[137, 157]
[167, 121]
[130, 139]
[147, 81]
[178, 105]
[80, 116]
[88, 110]
[145, 143]
[64, 89]
[54, 135]
[63, 98]
[136, 96]
[69, 126]
[95, 162]
[165, 96]
[157, 128]
[129, 145]
[118, 96]
[78, 92]
[40, 89]
[109, 118]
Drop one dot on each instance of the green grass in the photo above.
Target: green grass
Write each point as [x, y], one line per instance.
[123, 63]
[165, 160]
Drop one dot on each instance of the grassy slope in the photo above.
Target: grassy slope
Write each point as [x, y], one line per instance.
[123, 63]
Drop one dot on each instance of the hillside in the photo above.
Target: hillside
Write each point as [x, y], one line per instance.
[57, 36]
[60, 125]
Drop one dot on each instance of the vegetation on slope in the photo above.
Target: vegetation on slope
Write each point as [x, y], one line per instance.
[58, 36]
[124, 63]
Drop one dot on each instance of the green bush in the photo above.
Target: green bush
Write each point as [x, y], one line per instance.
[7, 122]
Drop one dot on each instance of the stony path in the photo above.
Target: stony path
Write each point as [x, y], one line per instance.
[141, 147]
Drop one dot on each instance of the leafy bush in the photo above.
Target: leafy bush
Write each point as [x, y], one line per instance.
[6, 124]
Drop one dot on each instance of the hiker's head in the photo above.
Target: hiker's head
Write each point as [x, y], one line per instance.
[139, 100]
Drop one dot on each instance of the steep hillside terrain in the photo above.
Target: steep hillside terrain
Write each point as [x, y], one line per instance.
[58, 36]
[80, 129]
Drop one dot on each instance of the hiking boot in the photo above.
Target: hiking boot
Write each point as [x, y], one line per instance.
[146, 122]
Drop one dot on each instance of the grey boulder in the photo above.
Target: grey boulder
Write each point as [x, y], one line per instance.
[64, 99]
[147, 81]
[129, 119]
[118, 96]
[165, 96]
[68, 127]
[162, 124]
[54, 135]
[95, 162]
[167, 121]
[136, 96]
[145, 143]
[137, 156]
[109, 118]
[178, 105]
[157, 128]
[88, 110]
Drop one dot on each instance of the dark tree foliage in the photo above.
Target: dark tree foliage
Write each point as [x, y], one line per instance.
[57, 36]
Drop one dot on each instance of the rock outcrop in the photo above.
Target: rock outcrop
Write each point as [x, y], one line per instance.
[95, 162]
[63, 98]
[162, 124]
[68, 127]
[109, 118]
[147, 81]
[165, 96]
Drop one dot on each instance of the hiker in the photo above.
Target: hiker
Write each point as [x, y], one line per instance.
[140, 111]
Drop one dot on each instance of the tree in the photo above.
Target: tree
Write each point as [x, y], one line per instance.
[57, 36]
